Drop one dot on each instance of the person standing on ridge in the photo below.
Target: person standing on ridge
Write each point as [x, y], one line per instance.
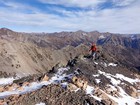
[93, 50]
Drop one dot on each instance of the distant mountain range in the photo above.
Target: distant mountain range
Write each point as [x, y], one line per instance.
[39, 52]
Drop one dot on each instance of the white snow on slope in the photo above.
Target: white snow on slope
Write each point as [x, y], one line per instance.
[112, 87]
[130, 80]
[97, 98]
[37, 85]
[98, 80]
[125, 98]
[101, 37]
[116, 82]
[41, 103]
[103, 63]
[108, 64]
[97, 75]
[5, 81]
[89, 89]
[112, 64]
[118, 76]
[96, 63]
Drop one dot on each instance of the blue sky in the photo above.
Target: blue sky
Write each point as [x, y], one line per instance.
[117, 16]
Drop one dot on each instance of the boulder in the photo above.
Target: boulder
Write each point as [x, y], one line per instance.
[20, 88]
[133, 92]
[2, 102]
[138, 85]
[1, 89]
[85, 85]
[72, 87]
[14, 97]
[45, 78]
[15, 85]
[11, 88]
[114, 93]
[80, 82]
[26, 84]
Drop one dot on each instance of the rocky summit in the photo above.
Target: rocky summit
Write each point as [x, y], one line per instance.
[82, 82]
[56, 69]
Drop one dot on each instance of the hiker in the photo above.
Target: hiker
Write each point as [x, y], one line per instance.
[93, 50]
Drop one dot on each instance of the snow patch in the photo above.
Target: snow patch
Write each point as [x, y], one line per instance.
[97, 75]
[112, 64]
[133, 37]
[5, 81]
[112, 87]
[84, 34]
[89, 89]
[77, 89]
[122, 77]
[64, 85]
[103, 63]
[125, 99]
[97, 98]
[101, 37]
[41, 103]
[118, 76]
[98, 80]
[96, 63]
[114, 81]
[109, 64]
[57, 78]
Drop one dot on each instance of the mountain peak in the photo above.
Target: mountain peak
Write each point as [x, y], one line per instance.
[80, 31]
[5, 31]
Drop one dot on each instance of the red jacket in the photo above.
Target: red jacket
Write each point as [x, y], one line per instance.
[93, 48]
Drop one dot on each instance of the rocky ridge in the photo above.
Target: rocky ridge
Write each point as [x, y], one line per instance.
[36, 53]
[82, 82]
[52, 69]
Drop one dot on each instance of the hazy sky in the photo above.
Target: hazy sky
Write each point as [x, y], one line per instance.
[117, 16]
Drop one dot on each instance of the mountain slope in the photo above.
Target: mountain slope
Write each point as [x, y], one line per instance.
[107, 84]
[36, 53]
[124, 49]
[55, 69]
